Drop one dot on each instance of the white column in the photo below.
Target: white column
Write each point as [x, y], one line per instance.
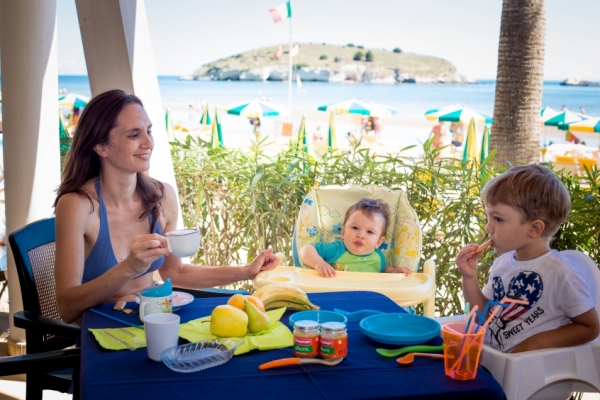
[118, 54]
[30, 122]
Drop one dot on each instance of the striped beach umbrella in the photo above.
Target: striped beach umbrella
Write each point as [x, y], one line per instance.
[216, 139]
[590, 125]
[332, 136]
[205, 122]
[458, 113]
[65, 138]
[73, 100]
[169, 125]
[470, 152]
[563, 119]
[546, 113]
[257, 109]
[301, 138]
[485, 143]
[359, 107]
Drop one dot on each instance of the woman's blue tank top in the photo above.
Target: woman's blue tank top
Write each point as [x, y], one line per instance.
[102, 257]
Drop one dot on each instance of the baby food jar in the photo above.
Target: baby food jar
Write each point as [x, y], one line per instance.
[306, 338]
[334, 340]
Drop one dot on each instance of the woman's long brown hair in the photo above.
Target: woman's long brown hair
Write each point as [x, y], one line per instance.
[83, 163]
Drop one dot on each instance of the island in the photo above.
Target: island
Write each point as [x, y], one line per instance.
[331, 63]
[578, 82]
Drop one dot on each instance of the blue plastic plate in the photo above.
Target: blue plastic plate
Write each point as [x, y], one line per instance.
[399, 328]
[317, 315]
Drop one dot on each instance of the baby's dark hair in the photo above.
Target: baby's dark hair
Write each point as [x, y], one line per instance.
[371, 207]
[535, 191]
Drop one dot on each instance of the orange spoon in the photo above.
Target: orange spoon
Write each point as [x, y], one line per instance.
[296, 361]
[410, 357]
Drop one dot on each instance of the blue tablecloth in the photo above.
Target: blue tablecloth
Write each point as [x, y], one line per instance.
[364, 374]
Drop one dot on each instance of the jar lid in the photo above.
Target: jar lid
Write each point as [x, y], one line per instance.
[333, 326]
[306, 325]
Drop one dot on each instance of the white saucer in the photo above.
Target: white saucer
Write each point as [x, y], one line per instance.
[180, 299]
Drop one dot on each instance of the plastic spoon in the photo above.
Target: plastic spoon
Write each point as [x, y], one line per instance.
[297, 361]
[354, 316]
[410, 357]
[408, 349]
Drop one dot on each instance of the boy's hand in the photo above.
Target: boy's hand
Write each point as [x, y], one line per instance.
[398, 270]
[466, 261]
[325, 270]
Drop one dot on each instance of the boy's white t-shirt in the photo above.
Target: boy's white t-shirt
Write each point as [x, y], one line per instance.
[555, 290]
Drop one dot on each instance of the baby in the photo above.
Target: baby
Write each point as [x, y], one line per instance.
[363, 231]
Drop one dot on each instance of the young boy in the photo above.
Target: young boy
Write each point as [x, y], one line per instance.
[525, 206]
[363, 231]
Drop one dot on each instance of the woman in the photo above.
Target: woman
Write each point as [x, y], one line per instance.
[110, 215]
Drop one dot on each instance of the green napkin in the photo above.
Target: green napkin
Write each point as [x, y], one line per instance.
[120, 338]
[276, 337]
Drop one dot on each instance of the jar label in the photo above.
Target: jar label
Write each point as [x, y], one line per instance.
[333, 348]
[306, 347]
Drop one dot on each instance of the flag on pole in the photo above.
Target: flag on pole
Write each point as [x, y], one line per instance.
[282, 11]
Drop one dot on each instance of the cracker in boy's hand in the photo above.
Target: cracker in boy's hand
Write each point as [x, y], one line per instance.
[484, 246]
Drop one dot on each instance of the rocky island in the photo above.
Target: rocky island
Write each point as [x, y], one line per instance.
[578, 82]
[331, 63]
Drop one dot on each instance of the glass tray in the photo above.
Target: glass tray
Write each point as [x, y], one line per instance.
[201, 355]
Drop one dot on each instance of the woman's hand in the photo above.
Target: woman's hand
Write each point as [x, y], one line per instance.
[145, 249]
[265, 261]
[466, 261]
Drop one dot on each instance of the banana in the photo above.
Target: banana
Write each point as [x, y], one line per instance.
[290, 305]
[283, 292]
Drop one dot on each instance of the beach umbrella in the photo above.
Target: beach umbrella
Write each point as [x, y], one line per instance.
[470, 151]
[359, 107]
[485, 143]
[590, 125]
[546, 113]
[216, 139]
[301, 139]
[457, 113]
[65, 138]
[169, 125]
[257, 109]
[73, 100]
[332, 136]
[563, 119]
[205, 121]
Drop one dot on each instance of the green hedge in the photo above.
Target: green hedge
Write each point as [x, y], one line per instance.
[247, 201]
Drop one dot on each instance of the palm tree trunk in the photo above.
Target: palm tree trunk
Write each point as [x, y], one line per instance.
[519, 82]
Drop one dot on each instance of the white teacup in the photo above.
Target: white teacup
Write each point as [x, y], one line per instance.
[183, 242]
[155, 305]
[162, 333]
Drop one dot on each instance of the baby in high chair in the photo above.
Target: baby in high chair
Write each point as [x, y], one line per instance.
[363, 231]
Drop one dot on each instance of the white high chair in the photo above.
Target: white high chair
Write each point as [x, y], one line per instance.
[320, 219]
[549, 374]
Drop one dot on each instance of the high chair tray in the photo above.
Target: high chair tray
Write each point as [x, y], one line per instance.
[404, 290]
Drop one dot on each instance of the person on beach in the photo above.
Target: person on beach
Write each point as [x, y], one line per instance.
[525, 206]
[363, 231]
[111, 216]
[438, 133]
[317, 136]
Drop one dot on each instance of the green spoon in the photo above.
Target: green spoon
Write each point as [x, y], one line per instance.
[409, 349]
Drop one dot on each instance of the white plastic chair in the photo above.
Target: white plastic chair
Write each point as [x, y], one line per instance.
[549, 373]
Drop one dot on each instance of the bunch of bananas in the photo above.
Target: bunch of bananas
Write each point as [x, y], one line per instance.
[277, 295]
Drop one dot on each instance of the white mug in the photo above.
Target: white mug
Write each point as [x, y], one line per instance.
[162, 333]
[155, 305]
[183, 242]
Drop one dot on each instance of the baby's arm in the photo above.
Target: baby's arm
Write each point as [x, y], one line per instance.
[584, 328]
[309, 256]
[391, 270]
[466, 261]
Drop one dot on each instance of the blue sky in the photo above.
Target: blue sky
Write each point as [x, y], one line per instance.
[188, 33]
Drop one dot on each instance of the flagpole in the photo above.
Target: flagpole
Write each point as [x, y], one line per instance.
[290, 64]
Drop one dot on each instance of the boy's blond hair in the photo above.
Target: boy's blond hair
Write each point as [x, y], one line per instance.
[534, 190]
[371, 207]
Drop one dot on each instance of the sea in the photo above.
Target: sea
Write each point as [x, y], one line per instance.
[186, 99]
